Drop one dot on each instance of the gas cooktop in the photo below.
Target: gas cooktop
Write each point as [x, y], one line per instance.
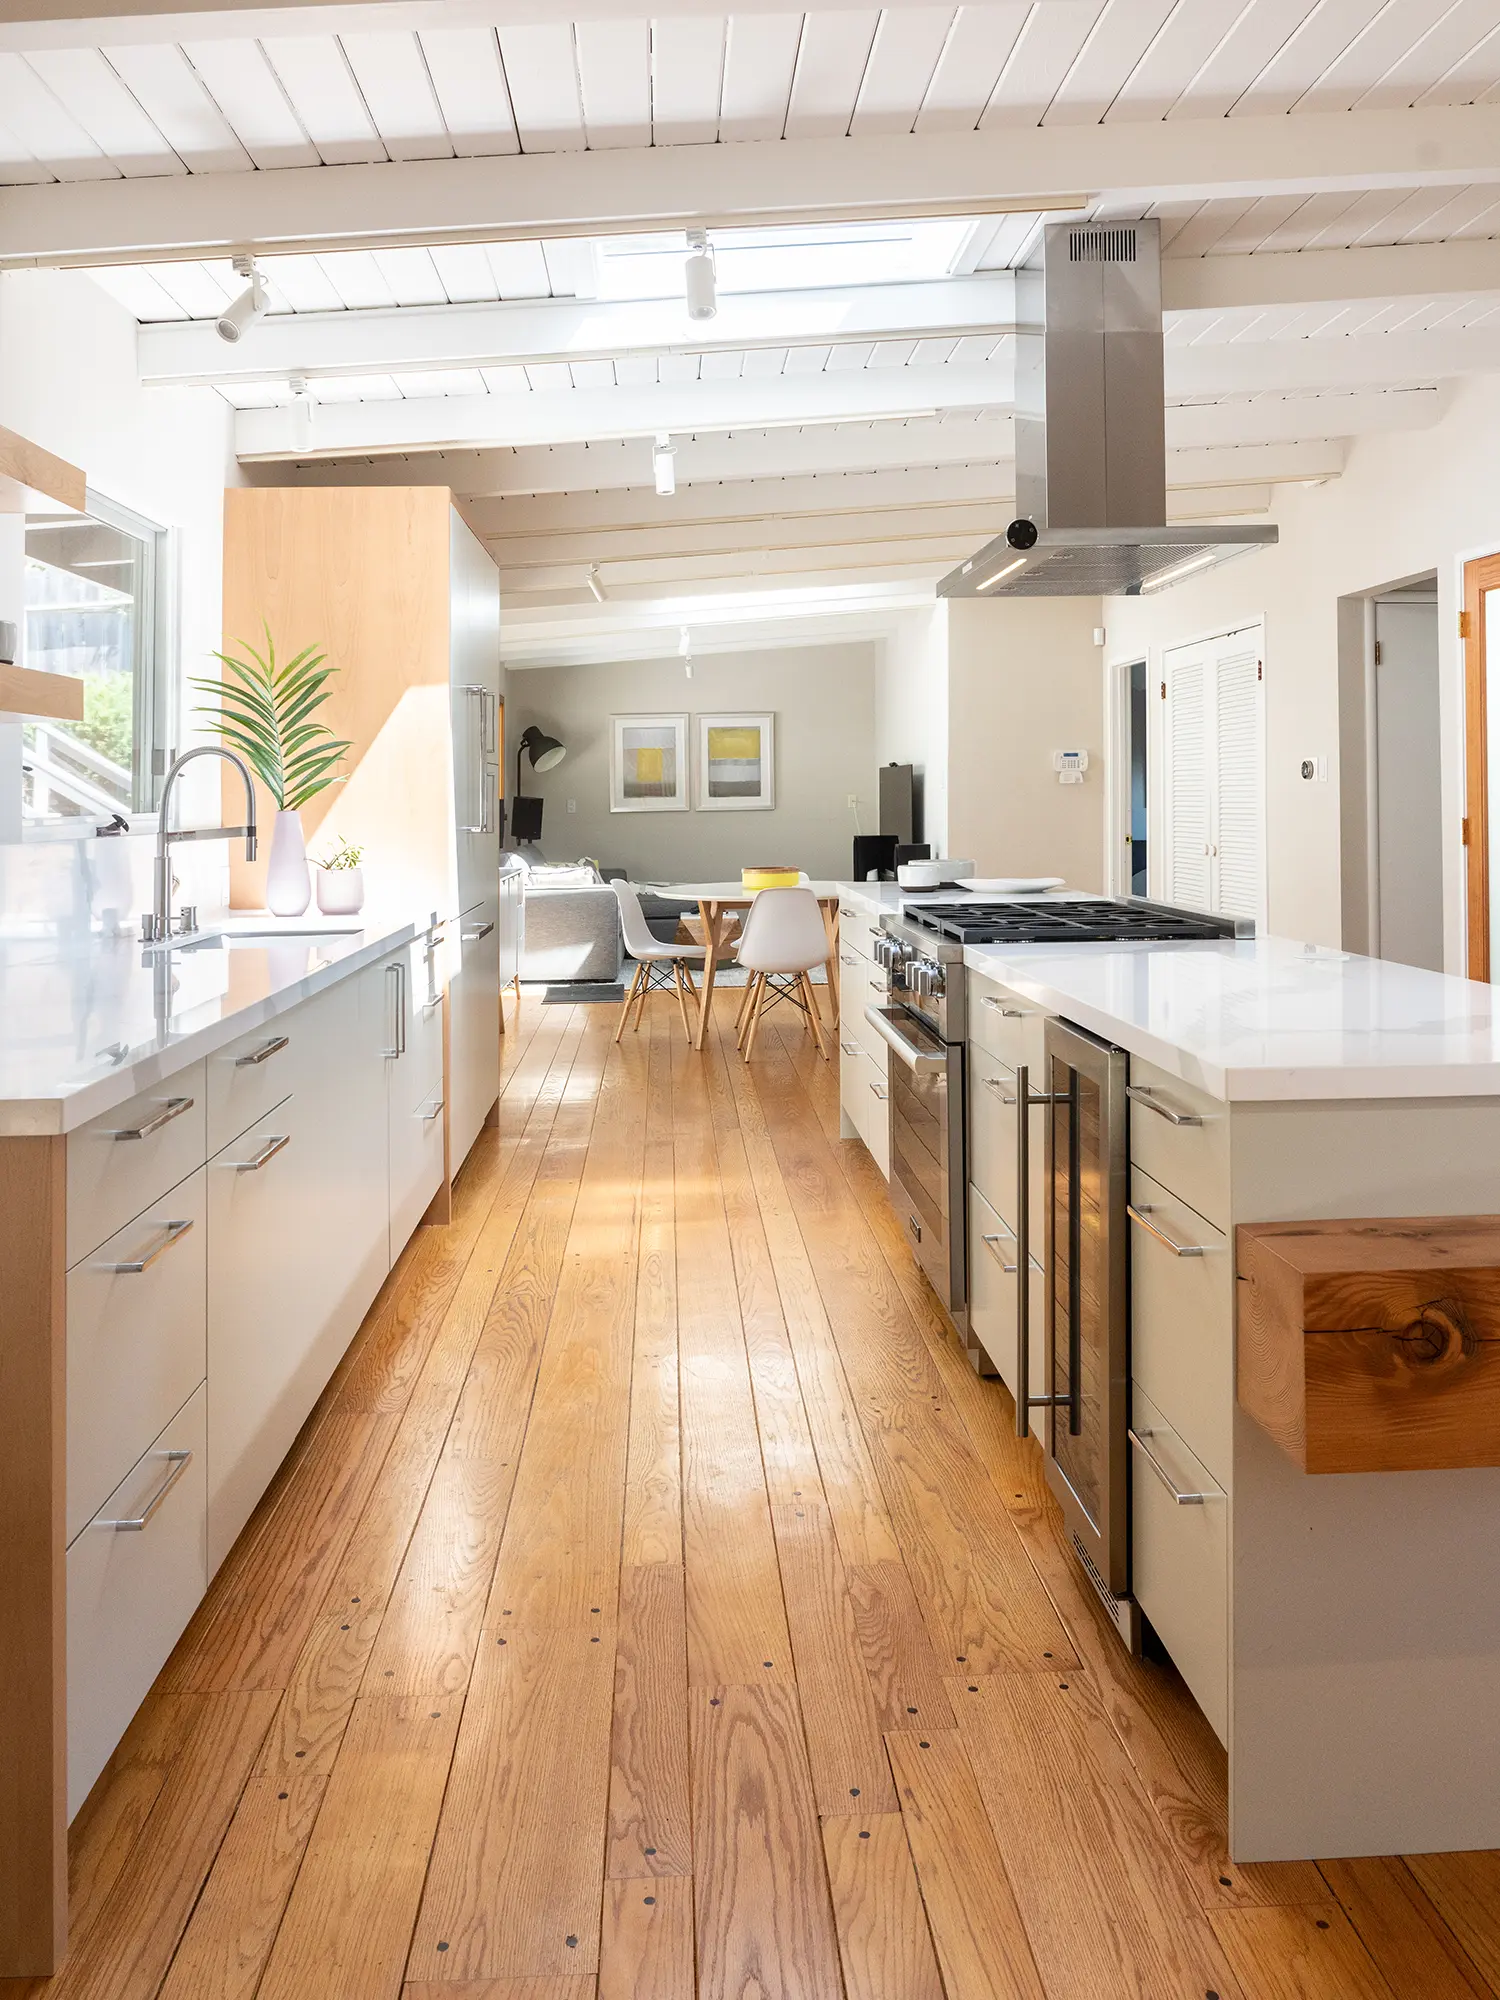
[1069, 920]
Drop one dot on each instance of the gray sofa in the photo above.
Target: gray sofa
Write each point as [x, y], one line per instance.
[570, 932]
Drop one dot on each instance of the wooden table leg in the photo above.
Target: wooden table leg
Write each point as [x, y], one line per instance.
[831, 927]
[713, 917]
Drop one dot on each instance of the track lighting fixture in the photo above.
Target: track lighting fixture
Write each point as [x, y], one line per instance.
[664, 465]
[685, 651]
[700, 277]
[595, 583]
[250, 306]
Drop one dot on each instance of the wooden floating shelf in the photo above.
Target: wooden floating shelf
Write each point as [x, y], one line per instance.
[58, 697]
[33, 481]
[1374, 1345]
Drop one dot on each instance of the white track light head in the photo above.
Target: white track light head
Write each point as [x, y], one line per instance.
[664, 465]
[250, 306]
[700, 279]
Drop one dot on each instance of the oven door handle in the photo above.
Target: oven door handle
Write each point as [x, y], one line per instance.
[923, 1062]
[1026, 1100]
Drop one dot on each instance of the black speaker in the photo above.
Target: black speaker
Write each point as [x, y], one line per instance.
[920, 850]
[525, 819]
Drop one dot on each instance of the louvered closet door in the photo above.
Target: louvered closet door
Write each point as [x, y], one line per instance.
[1238, 838]
[1185, 670]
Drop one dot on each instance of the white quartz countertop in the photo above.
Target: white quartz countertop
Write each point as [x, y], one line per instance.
[87, 1023]
[1268, 1018]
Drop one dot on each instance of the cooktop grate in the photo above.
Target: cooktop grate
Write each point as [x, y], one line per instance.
[1073, 922]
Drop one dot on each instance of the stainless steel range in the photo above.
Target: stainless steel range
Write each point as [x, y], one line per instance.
[926, 1027]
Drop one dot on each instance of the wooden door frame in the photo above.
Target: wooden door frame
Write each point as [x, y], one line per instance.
[1480, 576]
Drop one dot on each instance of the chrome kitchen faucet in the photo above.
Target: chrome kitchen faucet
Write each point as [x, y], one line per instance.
[157, 928]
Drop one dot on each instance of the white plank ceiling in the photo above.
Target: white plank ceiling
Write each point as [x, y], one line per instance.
[222, 105]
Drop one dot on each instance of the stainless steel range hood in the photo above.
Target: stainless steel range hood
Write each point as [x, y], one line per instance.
[1091, 455]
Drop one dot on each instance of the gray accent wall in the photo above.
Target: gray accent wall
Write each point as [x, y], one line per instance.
[823, 699]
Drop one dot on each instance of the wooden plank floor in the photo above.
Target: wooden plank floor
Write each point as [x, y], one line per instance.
[656, 1605]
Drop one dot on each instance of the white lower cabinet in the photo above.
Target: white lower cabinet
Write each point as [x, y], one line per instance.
[993, 1317]
[474, 1027]
[135, 1574]
[263, 1360]
[1180, 1555]
[414, 1092]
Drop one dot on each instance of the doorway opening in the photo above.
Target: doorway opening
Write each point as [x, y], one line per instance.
[1129, 869]
[1390, 764]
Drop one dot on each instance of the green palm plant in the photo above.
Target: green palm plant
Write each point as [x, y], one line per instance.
[266, 713]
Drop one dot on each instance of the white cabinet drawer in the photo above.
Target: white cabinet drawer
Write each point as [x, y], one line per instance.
[863, 1093]
[414, 1083]
[1181, 1137]
[1179, 1556]
[135, 1341]
[1007, 1026]
[1182, 1317]
[131, 1592]
[119, 1163]
[255, 1072]
[992, 1130]
[993, 1296]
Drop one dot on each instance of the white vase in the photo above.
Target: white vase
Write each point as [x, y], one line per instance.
[341, 891]
[288, 883]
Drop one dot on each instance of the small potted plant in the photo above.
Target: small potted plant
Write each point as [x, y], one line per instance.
[267, 712]
[341, 882]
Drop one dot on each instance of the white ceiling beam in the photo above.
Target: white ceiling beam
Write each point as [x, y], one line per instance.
[1296, 420]
[580, 415]
[1329, 277]
[1316, 378]
[56, 24]
[669, 187]
[190, 353]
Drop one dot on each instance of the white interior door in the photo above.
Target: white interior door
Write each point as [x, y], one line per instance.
[1214, 743]
[1408, 784]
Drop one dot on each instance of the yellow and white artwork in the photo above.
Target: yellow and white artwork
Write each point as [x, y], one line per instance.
[736, 763]
[648, 763]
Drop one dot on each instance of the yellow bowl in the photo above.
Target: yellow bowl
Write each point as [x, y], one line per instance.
[769, 878]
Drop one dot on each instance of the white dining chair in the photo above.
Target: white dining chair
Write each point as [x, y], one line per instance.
[783, 940]
[657, 964]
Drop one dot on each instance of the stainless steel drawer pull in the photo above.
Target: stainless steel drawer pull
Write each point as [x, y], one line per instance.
[879, 1090]
[1138, 1094]
[851, 1048]
[267, 1152]
[435, 1112]
[272, 1048]
[173, 1108]
[989, 1244]
[473, 937]
[1141, 1217]
[179, 1462]
[1010, 1013]
[847, 958]
[172, 1232]
[993, 1083]
[1138, 1439]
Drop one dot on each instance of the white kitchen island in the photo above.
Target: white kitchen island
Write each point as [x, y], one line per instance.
[210, 1157]
[1342, 1631]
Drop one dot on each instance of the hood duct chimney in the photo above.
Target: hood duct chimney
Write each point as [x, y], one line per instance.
[1091, 448]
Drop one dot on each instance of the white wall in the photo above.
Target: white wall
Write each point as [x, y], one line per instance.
[1407, 503]
[823, 698]
[911, 712]
[1023, 682]
[68, 382]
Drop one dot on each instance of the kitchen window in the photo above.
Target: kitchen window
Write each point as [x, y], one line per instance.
[95, 603]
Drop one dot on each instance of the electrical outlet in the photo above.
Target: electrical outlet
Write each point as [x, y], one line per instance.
[572, 805]
[854, 802]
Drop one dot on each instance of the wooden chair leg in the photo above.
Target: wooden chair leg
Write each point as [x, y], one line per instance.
[753, 1027]
[814, 1018]
[640, 1005]
[747, 1007]
[682, 1005]
[625, 1008]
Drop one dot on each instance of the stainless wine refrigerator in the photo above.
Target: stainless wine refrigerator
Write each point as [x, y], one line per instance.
[1087, 1397]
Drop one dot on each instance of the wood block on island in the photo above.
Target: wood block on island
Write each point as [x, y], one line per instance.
[1373, 1345]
